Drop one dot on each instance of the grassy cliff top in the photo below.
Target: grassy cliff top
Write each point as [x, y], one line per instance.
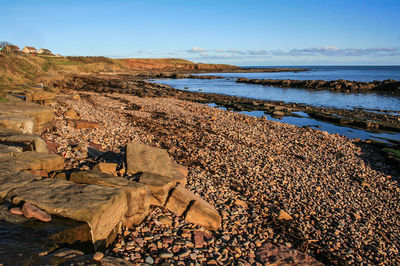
[18, 69]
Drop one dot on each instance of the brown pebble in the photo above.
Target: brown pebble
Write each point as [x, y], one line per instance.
[98, 256]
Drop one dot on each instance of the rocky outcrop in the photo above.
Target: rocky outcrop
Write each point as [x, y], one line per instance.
[95, 203]
[334, 85]
[166, 179]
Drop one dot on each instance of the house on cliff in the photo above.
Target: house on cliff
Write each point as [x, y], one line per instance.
[29, 50]
[11, 49]
[43, 51]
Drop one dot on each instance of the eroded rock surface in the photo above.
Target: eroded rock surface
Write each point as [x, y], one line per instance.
[101, 207]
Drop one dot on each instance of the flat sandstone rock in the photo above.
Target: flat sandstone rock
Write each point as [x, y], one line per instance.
[137, 195]
[101, 207]
[42, 115]
[41, 160]
[13, 180]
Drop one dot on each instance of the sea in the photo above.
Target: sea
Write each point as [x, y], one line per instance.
[373, 102]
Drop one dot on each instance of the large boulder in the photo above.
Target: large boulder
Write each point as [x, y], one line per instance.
[159, 187]
[42, 115]
[137, 195]
[143, 158]
[194, 209]
[41, 161]
[102, 208]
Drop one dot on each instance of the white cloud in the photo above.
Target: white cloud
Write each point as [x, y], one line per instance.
[257, 52]
[335, 51]
[197, 50]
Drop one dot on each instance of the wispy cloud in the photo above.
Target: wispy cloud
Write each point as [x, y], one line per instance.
[257, 52]
[314, 54]
[335, 51]
[197, 50]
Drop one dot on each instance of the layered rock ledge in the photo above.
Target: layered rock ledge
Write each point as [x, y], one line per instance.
[390, 85]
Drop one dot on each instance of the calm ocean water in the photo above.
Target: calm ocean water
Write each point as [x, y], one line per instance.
[367, 101]
[355, 73]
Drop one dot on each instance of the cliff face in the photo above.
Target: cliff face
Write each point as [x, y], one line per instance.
[170, 64]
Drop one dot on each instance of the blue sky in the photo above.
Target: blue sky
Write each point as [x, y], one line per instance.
[246, 32]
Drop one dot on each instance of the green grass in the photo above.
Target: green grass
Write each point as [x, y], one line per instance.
[2, 99]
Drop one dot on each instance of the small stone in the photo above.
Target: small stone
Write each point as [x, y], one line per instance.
[199, 239]
[71, 114]
[176, 248]
[165, 220]
[189, 244]
[212, 262]
[98, 256]
[149, 260]
[241, 203]
[139, 241]
[193, 256]
[76, 97]
[118, 245]
[16, 210]
[167, 240]
[283, 215]
[184, 254]
[357, 216]
[258, 243]
[166, 255]
[318, 189]
[31, 211]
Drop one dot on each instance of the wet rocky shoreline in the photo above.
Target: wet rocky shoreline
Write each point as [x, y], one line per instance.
[377, 121]
[272, 183]
[284, 194]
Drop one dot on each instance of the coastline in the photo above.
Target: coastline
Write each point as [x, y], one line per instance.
[139, 86]
[295, 188]
[320, 180]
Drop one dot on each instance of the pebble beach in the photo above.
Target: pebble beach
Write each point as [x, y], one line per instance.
[300, 189]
